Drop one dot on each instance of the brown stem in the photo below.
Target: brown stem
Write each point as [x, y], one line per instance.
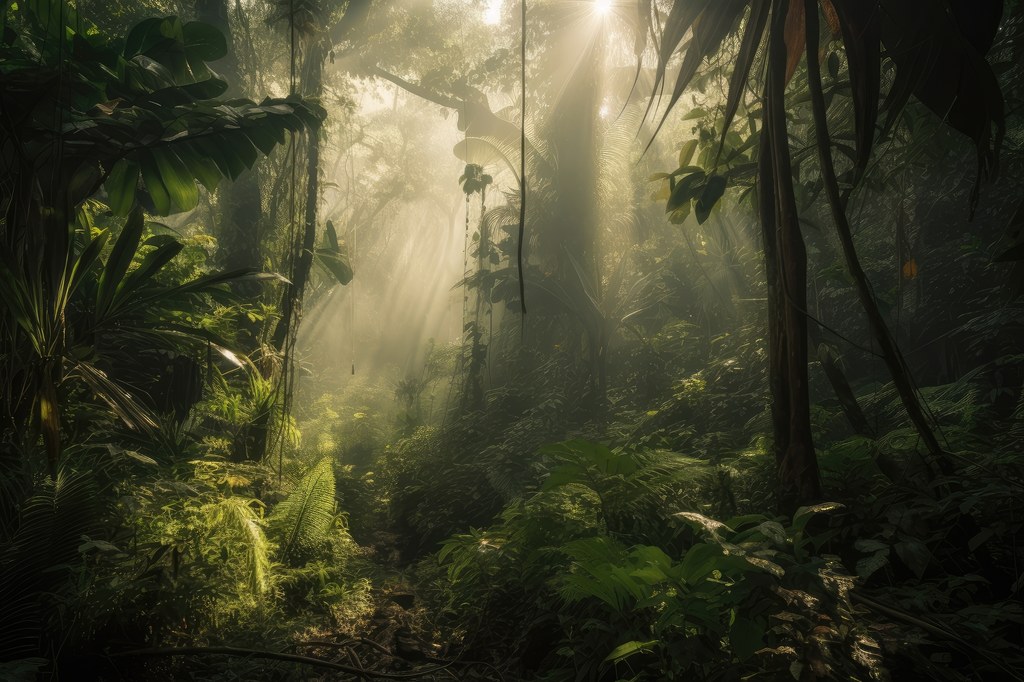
[273, 656]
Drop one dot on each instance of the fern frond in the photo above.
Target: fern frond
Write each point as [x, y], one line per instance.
[301, 522]
[236, 516]
[40, 553]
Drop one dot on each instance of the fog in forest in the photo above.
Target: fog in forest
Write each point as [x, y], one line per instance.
[511, 340]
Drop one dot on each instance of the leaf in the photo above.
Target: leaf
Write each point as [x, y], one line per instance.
[204, 41]
[151, 264]
[685, 190]
[946, 73]
[713, 191]
[914, 554]
[120, 186]
[861, 27]
[177, 180]
[686, 153]
[331, 236]
[710, 23]
[909, 269]
[627, 649]
[200, 166]
[120, 258]
[711, 526]
[154, 185]
[699, 561]
[336, 264]
[303, 519]
[867, 566]
[752, 37]
[803, 515]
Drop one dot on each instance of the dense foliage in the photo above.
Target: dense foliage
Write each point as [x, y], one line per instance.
[484, 340]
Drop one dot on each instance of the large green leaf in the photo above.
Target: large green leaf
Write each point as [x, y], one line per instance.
[176, 178]
[120, 186]
[204, 41]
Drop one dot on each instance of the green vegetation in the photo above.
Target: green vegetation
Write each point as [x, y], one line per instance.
[549, 340]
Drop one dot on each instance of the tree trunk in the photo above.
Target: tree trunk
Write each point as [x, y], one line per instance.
[786, 271]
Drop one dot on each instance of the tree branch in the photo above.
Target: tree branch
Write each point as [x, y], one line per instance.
[274, 656]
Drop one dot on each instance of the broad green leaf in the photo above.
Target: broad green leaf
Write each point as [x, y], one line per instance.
[176, 178]
[204, 41]
[151, 264]
[331, 237]
[686, 152]
[154, 185]
[803, 515]
[202, 167]
[120, 186]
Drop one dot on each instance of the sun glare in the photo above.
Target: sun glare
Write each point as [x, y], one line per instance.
[492, 14]
[602, 6]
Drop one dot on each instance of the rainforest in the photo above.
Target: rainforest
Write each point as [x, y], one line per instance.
[512, 340]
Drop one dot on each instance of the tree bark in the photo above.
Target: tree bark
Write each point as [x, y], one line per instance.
[786, 268]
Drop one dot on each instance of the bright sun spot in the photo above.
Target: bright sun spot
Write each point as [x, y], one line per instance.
[492, 15]
[602, 6]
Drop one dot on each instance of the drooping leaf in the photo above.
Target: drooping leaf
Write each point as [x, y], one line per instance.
[713, 25]
[752, 37]
[938, 64]
[176, 179]
[714, 188]
[335, 263]
[686, 152]
[627, 649]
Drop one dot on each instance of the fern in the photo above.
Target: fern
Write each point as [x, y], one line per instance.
[236, 516]
[40, 555]
[301, 522]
